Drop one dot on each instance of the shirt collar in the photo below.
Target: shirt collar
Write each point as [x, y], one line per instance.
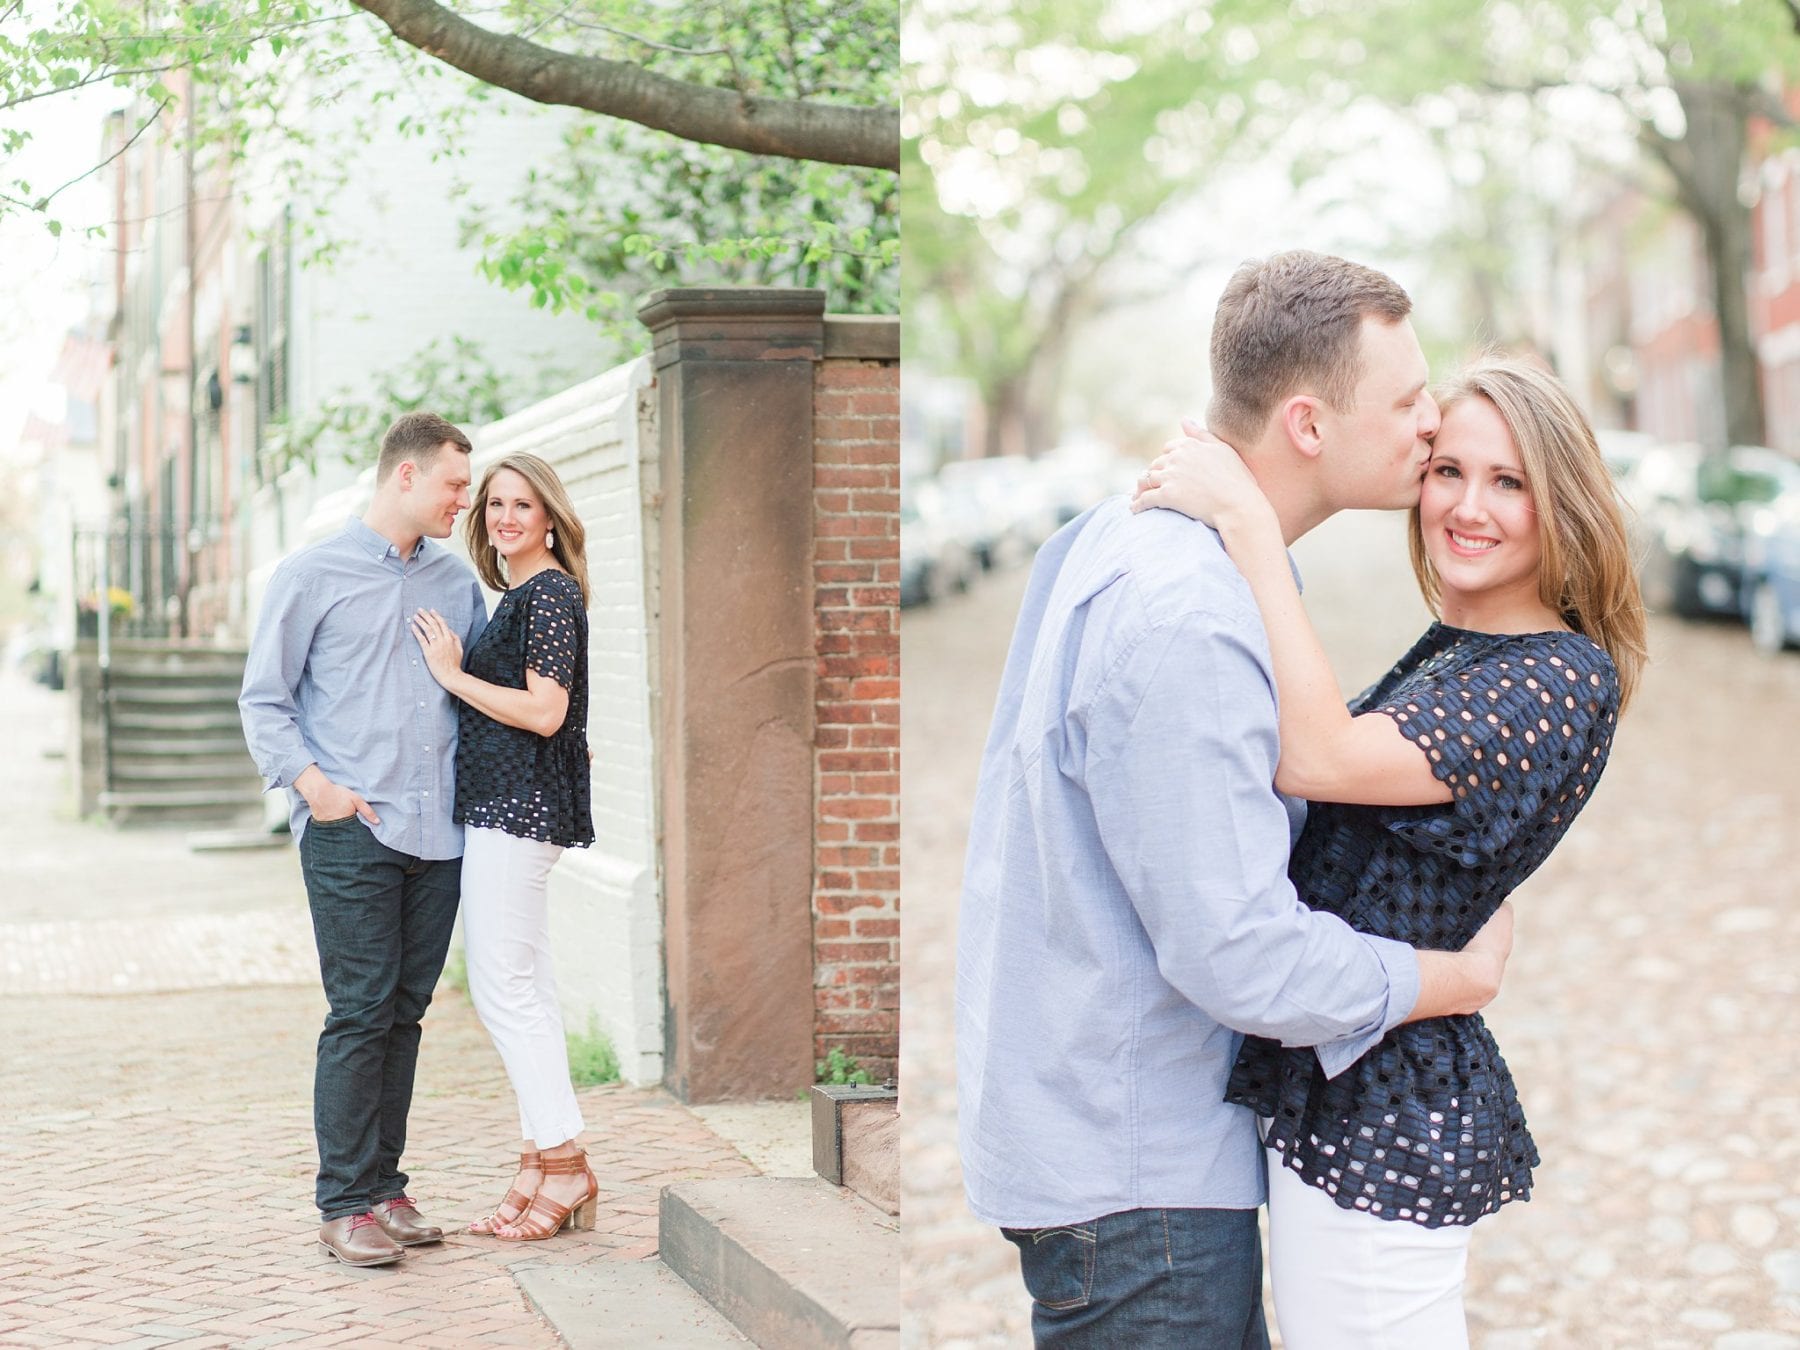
[374, 544]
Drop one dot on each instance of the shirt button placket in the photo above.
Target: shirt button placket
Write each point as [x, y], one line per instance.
[408, 606]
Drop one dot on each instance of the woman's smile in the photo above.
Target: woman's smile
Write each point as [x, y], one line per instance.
[1470, 545]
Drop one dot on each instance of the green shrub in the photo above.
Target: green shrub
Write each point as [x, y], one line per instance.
[837, 1069]
[592, 1059]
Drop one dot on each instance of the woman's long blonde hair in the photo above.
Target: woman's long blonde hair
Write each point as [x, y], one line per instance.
[570, 548]
[1585, 574]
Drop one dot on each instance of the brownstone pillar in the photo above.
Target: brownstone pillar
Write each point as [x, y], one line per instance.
[734, 373]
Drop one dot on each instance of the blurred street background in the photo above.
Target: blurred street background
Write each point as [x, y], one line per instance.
[1616, 193]
[1612, 190]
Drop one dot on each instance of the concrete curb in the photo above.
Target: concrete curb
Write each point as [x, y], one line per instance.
[794, 1263]
[623, 1305]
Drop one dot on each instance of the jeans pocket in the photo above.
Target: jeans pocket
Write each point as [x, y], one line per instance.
[340, 841]
[1057, 1263]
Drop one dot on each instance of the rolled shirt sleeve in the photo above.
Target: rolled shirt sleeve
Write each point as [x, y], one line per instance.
[1178, 756]
[268, 702]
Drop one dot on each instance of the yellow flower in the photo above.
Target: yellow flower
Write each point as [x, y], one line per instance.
[118, 600]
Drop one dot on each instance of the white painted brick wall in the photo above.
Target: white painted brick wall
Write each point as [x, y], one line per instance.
[402, 275]
[605, 901]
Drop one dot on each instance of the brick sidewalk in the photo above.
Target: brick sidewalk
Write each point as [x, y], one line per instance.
[156, 1150]
[171, 1212]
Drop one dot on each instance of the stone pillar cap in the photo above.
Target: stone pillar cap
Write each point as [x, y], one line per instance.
[674, 303]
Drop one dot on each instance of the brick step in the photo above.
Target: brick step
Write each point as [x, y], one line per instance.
[151, 771]
[135, 799]
[205, 807]
[188, 819]
[794, 1262]
[152, 648]
[624, 1305]
[159, 719]
[208, 666]
[141, 742]
[210, 694]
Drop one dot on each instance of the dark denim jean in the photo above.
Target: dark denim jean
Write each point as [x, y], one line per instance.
[382, 921]
[1146, 1279]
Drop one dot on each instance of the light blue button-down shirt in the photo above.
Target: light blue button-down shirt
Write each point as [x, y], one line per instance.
[336, 678]
[1126, 911]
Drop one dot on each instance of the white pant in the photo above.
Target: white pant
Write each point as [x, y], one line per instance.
[506, 933]
[1346, 1280]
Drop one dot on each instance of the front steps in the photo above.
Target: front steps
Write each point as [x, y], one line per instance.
[785, 1263]
[625, 1305]
[176, 752]
[792, 1262]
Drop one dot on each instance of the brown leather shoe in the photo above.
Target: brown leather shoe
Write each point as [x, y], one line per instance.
[358, 1240]
[399, 1219]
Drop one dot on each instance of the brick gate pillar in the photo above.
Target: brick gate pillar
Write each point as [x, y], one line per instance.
[734, 372]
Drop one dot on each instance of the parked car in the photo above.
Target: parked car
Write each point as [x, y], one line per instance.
[1770, 598]
[1080, 473]
[1009, 493]
[31, 651]
[933, 560]
[1695, 512]
[978, 531]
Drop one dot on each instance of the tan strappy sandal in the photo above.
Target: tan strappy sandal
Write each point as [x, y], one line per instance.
[517, 1201]
[545, 1218]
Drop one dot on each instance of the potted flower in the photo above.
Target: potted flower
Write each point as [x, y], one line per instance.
[87, 611]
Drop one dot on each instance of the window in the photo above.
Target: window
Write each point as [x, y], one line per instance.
[274, 294]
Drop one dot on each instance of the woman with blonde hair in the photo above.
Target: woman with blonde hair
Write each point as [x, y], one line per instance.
[522, 796]
[1436, 792]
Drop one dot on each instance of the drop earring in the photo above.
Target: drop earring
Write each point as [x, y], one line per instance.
[550, 539]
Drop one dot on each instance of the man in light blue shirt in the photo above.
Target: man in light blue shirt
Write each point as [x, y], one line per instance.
[1126, 913]
[340, 709]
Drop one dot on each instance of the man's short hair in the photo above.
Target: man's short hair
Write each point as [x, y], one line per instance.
[417, 436]
[1292, 324]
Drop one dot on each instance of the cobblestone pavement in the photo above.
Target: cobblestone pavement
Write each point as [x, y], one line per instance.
[1649, 1015]
[156, 1154]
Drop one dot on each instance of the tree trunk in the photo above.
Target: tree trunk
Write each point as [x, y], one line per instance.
[1707, 163]
[1008, 418]
[1728, 244]
[1041, 423]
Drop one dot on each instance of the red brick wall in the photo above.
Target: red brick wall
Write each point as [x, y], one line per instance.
[856, 569]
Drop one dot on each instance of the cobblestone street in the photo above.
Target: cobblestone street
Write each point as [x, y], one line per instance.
[1649, 1013]
[159, 1009]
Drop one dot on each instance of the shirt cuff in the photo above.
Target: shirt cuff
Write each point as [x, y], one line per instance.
[288, 770]
[1401, 965]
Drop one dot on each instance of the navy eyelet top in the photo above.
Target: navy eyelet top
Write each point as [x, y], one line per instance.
[1426, 1126]
[510, 779]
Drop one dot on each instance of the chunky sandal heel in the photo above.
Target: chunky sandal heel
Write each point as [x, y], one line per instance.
[546, 1217]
